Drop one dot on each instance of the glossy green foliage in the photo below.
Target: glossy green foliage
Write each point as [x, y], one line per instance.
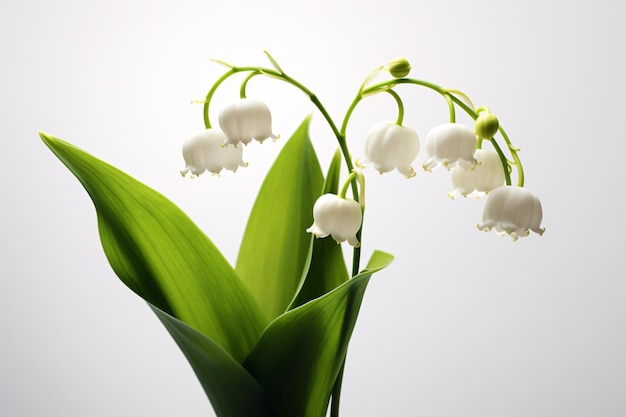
[300, 354]
[248, 365]
[232, 390]
[275, 246]
[159, 253]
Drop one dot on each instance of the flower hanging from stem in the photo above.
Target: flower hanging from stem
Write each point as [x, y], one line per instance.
[205, 151]
[246, 119]
[513, 211]
[339, 217]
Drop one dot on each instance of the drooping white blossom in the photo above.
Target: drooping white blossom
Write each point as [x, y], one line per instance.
[449, 145]
[205, 151]
[484, 177]
[391, 146]
[339, 217]
[246, 119]
[512, 210]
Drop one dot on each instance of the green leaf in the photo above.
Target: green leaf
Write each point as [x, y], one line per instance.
[160, 254]
[327, 268]
[331, 184]
[275, 247]
[299, 355]
[232, 390]
[274, 63]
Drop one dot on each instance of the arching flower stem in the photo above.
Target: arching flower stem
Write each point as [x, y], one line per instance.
[341, 139]
[452, 97]
[284, 77]
[459, 93]
[505, 164]
[358, 176]
[396, 96]
[244, 83]
[209, 96]
[452, 118]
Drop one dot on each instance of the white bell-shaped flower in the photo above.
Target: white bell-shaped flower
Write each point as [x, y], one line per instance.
[339, 217]
[391, 146]
[205, 151]
[450, 144]
[512, 210]
[484, 177]
[246, 119]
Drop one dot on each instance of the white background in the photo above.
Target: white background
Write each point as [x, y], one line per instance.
[463, 323]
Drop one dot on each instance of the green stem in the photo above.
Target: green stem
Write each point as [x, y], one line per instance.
[244, 84]
[479, 141]
[395, 95]
[209, 96]
[358, 176]
[451, 111]
[341, 139]
[344, 189]
[336, 395]
[507, 175]
[461, 94]
[516, 160]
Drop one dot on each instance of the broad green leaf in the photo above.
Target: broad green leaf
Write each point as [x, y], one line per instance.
[299, 355]
[327, 268]
[275, 246]
[160, 254]
[232, 390]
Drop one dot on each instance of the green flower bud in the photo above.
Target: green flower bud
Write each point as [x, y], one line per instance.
[399, 67]
[486, 125]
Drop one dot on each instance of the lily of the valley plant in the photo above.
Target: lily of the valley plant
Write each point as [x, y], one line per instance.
[269, 335]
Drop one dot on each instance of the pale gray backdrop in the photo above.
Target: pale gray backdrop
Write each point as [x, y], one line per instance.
[463, 324]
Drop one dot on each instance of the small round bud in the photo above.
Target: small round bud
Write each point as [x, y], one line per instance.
[486, 125]
[399, 67]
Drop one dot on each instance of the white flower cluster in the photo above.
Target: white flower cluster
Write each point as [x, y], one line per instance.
[389, 145]
[509, 209]
[214, 149]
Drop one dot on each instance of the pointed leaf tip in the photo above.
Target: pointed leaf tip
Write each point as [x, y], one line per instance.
[46, 137]
[274, 63]
[379, 260]
[160, 254]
